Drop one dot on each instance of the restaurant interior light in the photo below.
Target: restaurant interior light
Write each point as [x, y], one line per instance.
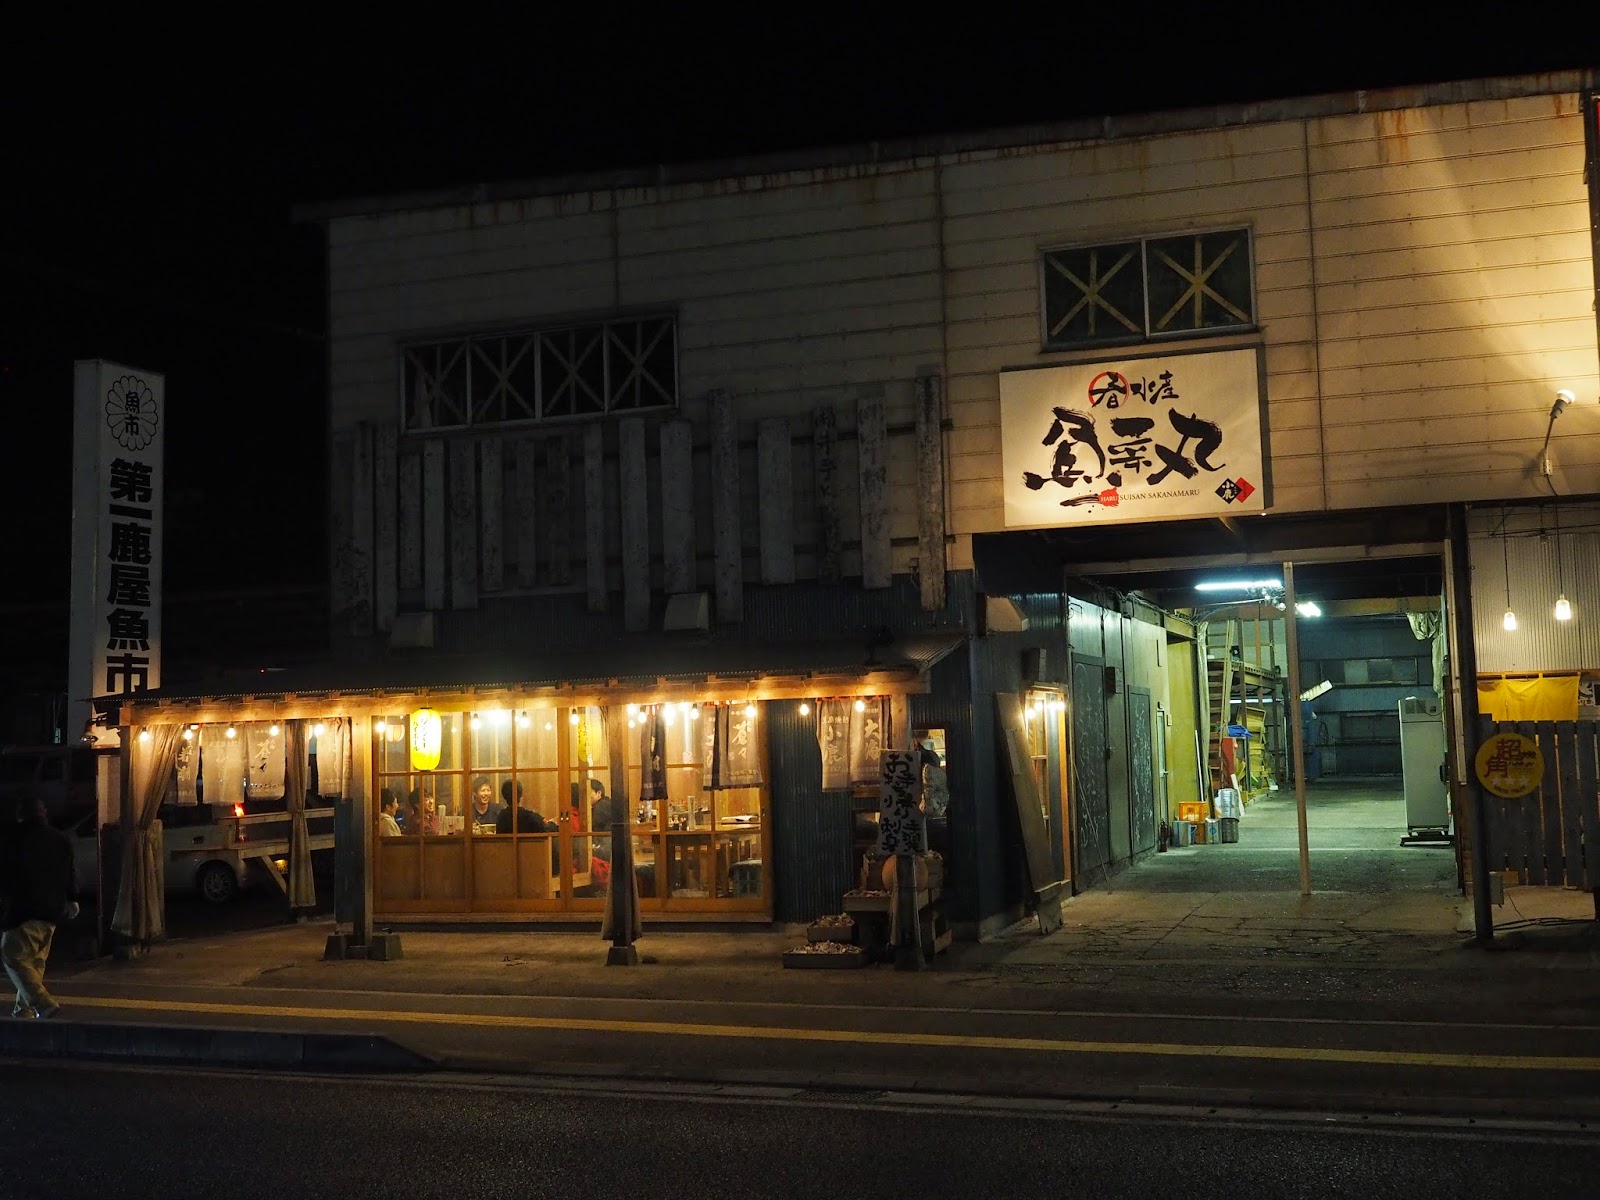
[380, 725]
[1563, 608]
[572, 717]
[666, 714]
[633, 710]
[188, 735]
[861, 705]
[427, 739]
[750, 712]
[694, 713]
[1509, 621]
[1240, 585]
[523, 721]
[318, 729]
[144, 735]
[476, 722]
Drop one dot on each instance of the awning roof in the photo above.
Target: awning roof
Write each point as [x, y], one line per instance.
[636, 670]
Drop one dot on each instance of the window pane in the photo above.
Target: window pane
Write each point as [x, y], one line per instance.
[640, 363]
[739, 865]
[434, 379]
[491, 740]
[572, 372]
[393, 751]
[1093, 294]
[536, 739]
[503, 379]
[1199, 281]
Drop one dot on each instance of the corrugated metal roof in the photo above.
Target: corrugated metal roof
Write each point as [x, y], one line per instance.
[879, 154]
[644, 661]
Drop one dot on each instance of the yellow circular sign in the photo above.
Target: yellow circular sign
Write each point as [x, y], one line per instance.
[1509, 765]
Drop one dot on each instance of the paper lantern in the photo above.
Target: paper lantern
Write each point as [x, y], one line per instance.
[427, 737]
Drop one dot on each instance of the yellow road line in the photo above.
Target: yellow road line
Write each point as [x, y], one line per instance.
[1401, 1058]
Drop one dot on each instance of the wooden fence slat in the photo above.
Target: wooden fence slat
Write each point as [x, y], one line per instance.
[1494, 853]
[677, 507]
[634, 498]
[872, 478]
[410, 532]
[726, 539]
[557, 499]
[433, 526]
[526, 509]
[1588, 803]
[1531, 843]
[491, 496]
[1571, 868]
[463, 524]
[385, 465]
[825, 475]
[1550, 804]
[594, 519]
[775, 499]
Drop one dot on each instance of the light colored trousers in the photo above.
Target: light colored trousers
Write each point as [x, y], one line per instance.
[24, 951]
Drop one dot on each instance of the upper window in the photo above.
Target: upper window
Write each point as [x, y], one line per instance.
[571, 371]
[1147, 288]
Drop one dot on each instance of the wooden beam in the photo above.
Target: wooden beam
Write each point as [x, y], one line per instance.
[594, 517]
[930, 492]
[775, 499]
[525, 507]
[491, 497]
[872, 472]
[677, 507]
[463, 525]
[385, 469]
[433, 526]
[557, 523]
[633, 497]
[825, 479]
[728, 548]
[219, 710]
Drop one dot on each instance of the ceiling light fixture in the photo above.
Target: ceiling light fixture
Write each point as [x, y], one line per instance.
[1240, 585]
[1509, 621]
[1563, 605]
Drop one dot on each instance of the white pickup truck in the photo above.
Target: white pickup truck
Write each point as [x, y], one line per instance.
[213, 856]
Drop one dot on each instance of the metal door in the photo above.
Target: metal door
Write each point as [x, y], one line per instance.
[1092, 796]
[1141, 772]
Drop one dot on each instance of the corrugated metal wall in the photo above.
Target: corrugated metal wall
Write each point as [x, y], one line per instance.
[1517, 547]
[811, 865]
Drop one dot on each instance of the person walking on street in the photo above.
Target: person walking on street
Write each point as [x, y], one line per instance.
[38, 889]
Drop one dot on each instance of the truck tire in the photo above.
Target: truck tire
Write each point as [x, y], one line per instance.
[216, 883]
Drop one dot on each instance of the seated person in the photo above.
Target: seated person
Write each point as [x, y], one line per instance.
[600, 818]
[518, 816]
[484, 811]
[388, 807]
[424, 815]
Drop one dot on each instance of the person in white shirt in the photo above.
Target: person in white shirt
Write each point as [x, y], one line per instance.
[390, 803]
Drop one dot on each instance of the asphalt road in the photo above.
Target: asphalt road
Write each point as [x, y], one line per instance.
[80, 1131]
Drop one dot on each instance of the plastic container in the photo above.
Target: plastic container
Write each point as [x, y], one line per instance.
[1228, 803]
[1229, 829]
[1213, 834]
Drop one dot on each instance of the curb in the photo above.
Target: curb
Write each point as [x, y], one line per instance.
[261, 1048]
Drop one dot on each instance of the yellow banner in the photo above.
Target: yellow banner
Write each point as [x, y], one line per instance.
[1547, 698]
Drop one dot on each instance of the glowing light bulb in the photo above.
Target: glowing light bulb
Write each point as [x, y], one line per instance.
[694, 713]
[633, 722]
[666, 714]
[572, 718]
[144, 735]
[476, 722]
[523, 722]
[188, 735]
[232, 732]
[272, 730]
[548, 726]
[861, 706]
[633, 710]
[805, 709]
[1563, 608]
[318, 729]
[1509, 621]
[380, 726]
[750, 712]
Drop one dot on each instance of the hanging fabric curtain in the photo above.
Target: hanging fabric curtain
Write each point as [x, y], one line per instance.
[737, 759]
[1547, 698]
[141, 899]
[1429, 627]
[706, 730]
[333, 758]
[833, 740]
[263, 756]
[188, 769]
[302, 887]
[866, 742]
[652, 755]
[222, 766]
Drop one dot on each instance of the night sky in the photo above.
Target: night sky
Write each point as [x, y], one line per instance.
[149, 180]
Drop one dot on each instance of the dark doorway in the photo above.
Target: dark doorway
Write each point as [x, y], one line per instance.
[1089, 768]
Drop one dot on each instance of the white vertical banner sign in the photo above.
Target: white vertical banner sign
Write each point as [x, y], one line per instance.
[119, 423]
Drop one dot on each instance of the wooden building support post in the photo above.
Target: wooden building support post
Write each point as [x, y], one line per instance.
[930, 492]
[1464, 688]
[825, 480]
[1297, 724]
[677, 507]
[634, 498]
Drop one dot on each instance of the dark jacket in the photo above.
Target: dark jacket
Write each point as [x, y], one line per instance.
[527, 821]
[37, 874]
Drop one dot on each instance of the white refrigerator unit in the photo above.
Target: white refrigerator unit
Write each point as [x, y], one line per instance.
[1422, 759]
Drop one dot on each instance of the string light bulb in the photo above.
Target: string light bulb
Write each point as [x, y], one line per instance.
[476, 722]
[633, 710]
[523, 722]
[805, 709]
[231, 732]
[144, 735]
[750, 712]
[272, 730]
[188, 735]
[318, 729]
[572, 717]
[548, 726]
[380, 725]
[1563, 605]
[861, 705]
[694, 713]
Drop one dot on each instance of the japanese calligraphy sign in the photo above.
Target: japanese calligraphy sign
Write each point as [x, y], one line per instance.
[1509, 765]
[118, 429]
[1133, 439]
[900, 825]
